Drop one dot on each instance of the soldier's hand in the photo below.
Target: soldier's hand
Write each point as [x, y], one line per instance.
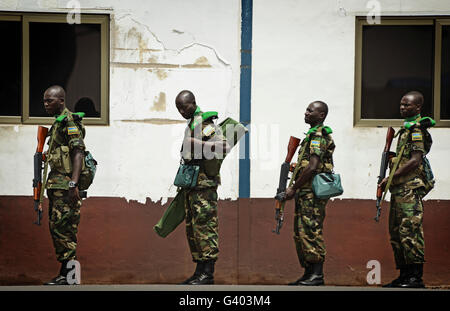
[383, 183]
[290, 193]
[74, 195]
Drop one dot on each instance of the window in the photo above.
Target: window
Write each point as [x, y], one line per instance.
[398, 56]
[44, 50]
[10, 62]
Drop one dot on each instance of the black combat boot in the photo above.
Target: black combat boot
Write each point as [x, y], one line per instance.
[206, 276]
[316, 276]
[197, 272]
[308, 272]
[404, 271]
[414, 278]
[61, 279]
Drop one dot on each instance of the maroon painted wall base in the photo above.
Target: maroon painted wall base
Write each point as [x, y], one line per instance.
[117, 244]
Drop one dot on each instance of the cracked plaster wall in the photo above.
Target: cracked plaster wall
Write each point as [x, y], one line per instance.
[157, 48]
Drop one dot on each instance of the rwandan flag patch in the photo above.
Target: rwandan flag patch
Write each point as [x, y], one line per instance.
[208, 131]
[416, 136]
[72, 130]
[315, 143]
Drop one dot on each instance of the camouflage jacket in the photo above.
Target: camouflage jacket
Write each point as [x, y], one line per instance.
[318, 141]
[66, 134]
[414, 140]
[205, 130]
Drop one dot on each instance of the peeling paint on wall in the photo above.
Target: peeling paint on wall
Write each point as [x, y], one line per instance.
[151, 59]
[201, 62]
[134, 42]
[159, 104]
[142, 44]
[161, 74]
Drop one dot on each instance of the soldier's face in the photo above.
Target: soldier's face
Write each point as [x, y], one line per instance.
[312, 114]
[186, 109]
[409, 107]
[53, 105]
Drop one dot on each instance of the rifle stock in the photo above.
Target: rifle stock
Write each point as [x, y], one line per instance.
[284, 176]
[37, 180]
[383, 167]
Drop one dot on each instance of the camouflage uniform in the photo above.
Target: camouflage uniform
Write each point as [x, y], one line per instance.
[309, 210]
[202, 222]
[64, 216]
[406, 208]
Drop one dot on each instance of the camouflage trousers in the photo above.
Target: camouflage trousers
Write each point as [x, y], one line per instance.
[405, 227]
[63, 219]
[308, 228]
[202, 224]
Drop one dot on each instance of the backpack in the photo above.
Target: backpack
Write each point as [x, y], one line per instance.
[89, 165]
[87, 172]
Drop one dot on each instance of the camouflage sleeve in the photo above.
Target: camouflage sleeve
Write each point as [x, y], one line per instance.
[417, 140]
[317, 146]
[74, 136]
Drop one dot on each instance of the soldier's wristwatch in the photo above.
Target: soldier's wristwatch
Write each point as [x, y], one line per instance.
[72, 184]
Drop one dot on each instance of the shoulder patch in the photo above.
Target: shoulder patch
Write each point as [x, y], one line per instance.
[417, 136]
[72, 130]
[209, 130]
[315, 143]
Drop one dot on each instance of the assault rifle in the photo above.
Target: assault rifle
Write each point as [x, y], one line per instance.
[39, 158]
[383, 167]
[281, 191]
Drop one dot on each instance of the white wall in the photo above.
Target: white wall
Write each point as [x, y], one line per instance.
[302, 51]
[305, 51]
[158, 48]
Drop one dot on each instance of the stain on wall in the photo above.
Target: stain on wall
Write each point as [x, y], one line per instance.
[159, 104]
[161, 74]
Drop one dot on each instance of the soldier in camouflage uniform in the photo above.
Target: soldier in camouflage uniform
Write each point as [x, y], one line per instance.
[202, 145]
[65, 157]
[409, 186]
[315, 156]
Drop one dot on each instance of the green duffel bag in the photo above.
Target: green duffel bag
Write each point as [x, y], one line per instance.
[173, 216]
[327, 185]
[238, 129]
[175, 213]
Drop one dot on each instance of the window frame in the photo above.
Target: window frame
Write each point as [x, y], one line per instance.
[436, 87]
[26, 18]
[11, 119]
